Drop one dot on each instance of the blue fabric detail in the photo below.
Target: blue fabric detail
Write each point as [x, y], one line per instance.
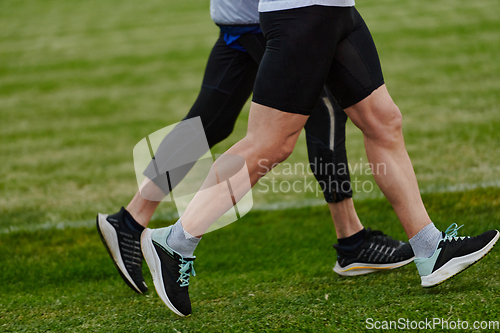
[232, 42]
[233, 33]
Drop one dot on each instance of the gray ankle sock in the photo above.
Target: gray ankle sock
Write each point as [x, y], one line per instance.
[181, 241]
[425, 242]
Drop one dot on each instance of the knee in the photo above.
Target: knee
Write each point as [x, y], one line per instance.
[284, 150]
[272, 151]
[384, 124]
[394, 121]
[279, 151]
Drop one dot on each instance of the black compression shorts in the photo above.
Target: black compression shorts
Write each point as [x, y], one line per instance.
[312, 46]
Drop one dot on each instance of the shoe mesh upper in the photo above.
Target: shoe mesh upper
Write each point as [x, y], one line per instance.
[377, 248]
[453, 247]
[129, 243]
[175, 275]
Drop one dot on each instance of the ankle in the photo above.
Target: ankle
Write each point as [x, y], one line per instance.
[425, 242]
[352, 242]
[181, 241]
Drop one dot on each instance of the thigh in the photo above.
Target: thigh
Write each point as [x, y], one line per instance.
[227, 85]
[355, 72]
[227, 68]
[300, 47]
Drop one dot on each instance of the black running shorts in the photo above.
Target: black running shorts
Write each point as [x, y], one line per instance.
[313, 46]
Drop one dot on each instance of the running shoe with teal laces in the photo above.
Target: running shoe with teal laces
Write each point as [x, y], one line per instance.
[453, 255]
[170, 270]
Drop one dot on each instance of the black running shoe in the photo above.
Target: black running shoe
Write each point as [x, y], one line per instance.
[453, 255]
[377, 252]
[169, 269]
[123, 245]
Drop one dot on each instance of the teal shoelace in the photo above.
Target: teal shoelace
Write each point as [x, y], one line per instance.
[451, 231]
[186, 270]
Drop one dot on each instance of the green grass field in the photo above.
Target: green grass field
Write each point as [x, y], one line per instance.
[81, 82]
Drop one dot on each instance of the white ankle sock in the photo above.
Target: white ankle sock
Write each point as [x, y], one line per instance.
[424, 243]
[182, 241]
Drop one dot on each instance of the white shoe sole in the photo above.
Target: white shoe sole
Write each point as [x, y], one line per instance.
[360, 269]
[456, 265]
[108, 232]
[154, 264]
